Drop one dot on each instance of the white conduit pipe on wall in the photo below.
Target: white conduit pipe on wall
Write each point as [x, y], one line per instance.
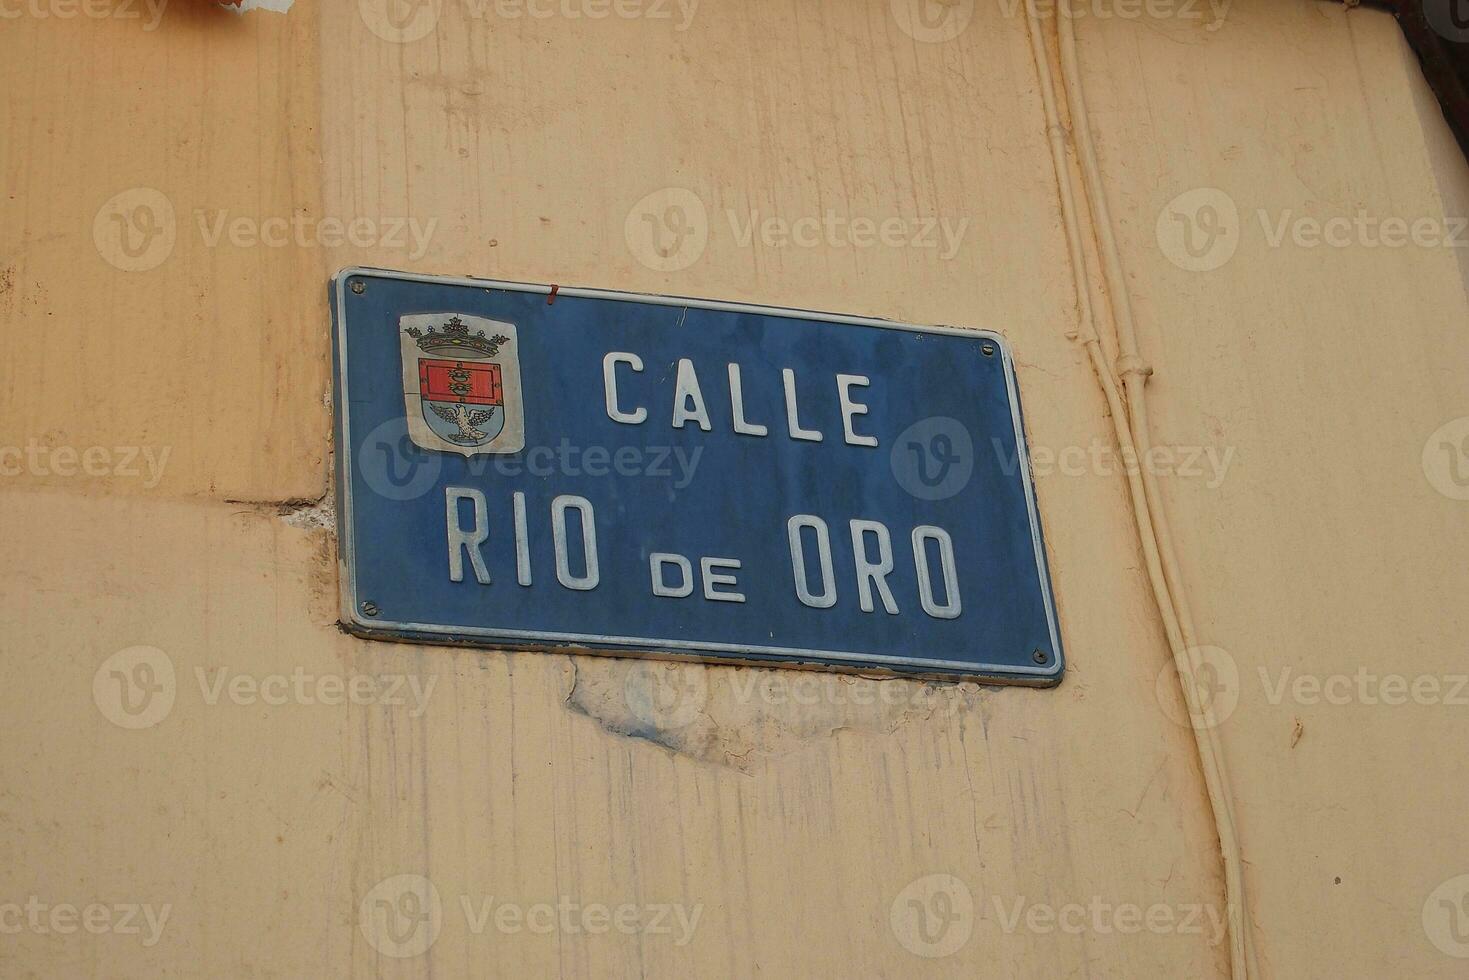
[1130, 424]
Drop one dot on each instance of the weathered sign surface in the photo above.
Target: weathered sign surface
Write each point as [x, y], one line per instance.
[562, 468]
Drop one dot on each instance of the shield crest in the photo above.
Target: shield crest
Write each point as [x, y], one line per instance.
[461, 383]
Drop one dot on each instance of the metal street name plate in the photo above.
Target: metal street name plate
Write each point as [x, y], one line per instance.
[570, 469]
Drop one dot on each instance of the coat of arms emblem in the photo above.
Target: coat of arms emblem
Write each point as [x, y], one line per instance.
[461, 383]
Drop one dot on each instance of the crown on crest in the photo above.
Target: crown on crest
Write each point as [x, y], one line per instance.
[454, 338]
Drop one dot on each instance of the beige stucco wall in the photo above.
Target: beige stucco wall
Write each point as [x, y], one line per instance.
[792, 830]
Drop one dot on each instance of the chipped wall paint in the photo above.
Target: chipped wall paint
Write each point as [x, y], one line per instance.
[245, 6]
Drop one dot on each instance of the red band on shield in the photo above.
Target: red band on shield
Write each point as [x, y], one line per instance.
[460, 381]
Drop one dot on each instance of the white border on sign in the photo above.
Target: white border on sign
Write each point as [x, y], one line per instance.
[655, 645]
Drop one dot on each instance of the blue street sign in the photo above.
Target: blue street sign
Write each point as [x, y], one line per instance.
[569, 469]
